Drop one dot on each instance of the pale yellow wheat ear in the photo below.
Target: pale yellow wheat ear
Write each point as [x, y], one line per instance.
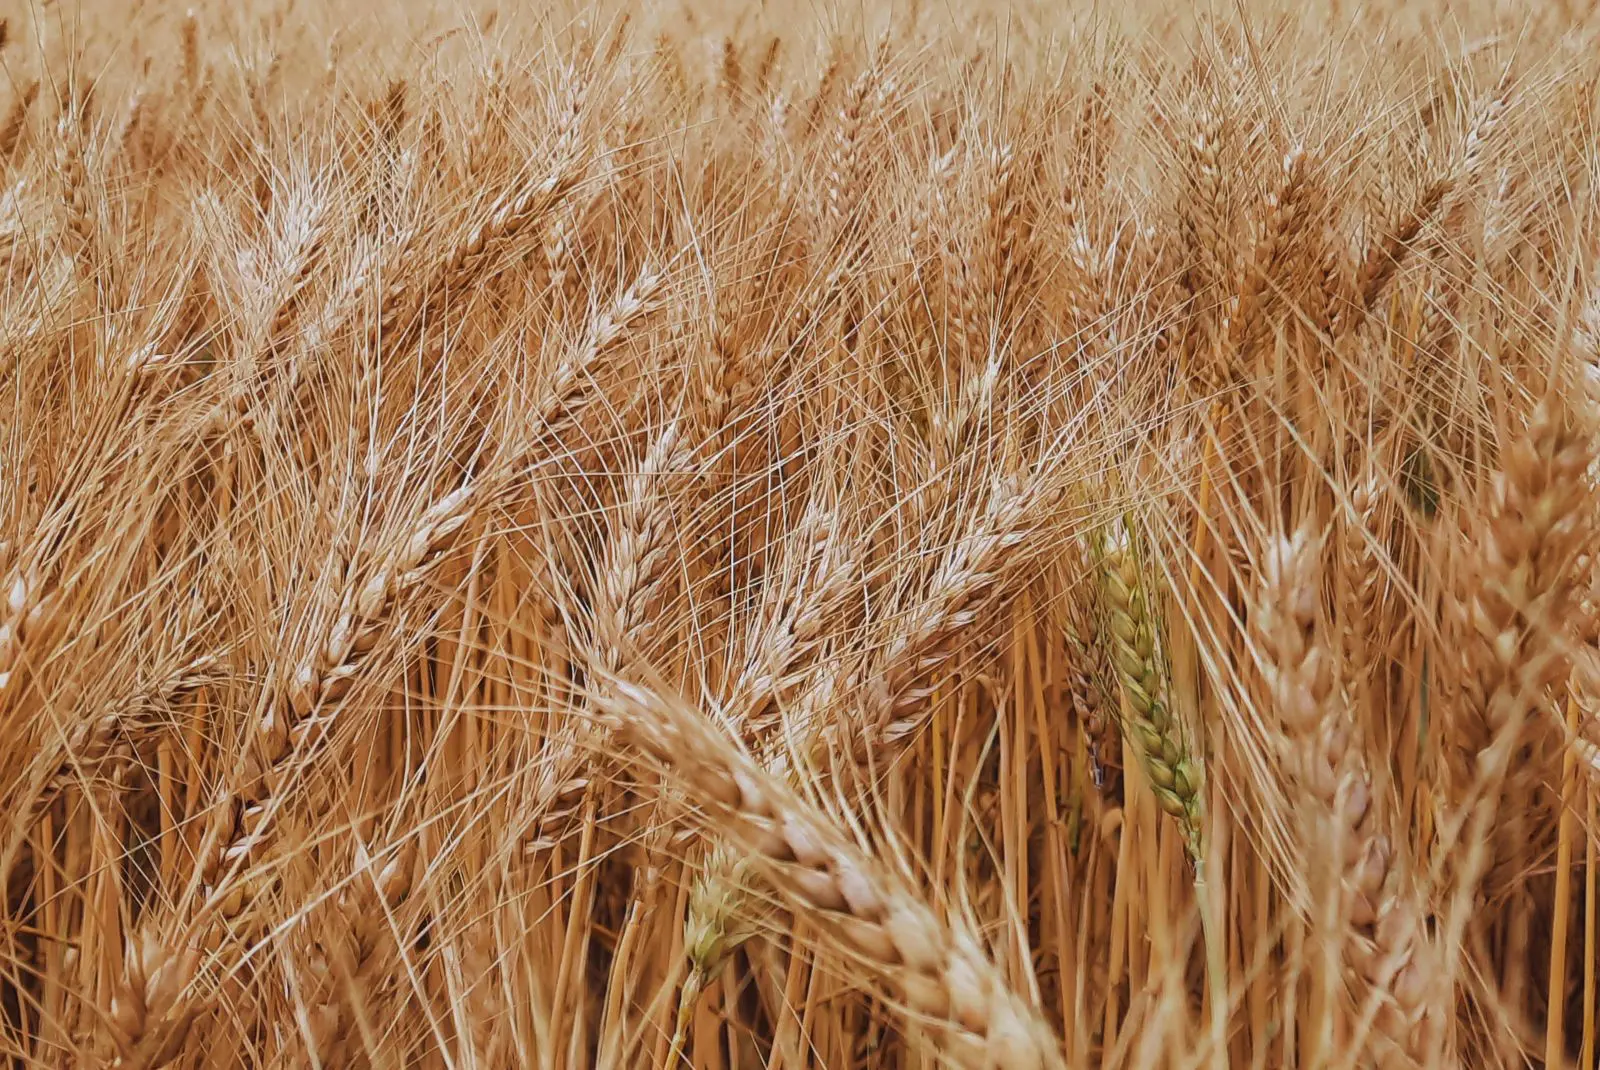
[938, 970]
[1376, 915]
[1539, 514]
[720, 916]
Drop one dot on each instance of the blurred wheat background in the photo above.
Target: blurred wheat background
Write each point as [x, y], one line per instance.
[711, 536]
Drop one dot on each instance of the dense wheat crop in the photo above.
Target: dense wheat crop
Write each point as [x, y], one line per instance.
[716, 536]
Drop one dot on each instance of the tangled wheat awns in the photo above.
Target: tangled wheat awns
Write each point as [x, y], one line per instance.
[902, 536]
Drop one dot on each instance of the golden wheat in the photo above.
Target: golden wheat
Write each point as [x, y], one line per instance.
[698, 535]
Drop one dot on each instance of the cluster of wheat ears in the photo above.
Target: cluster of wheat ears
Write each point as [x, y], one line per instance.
[895, 537]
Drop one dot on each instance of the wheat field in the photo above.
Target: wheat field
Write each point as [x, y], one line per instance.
[703, 535]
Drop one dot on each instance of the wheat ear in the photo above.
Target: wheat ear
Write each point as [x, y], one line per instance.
[937, 971]
[631, 577]
[298, 724]
[811, 597]
[1521, 582]
[1176, 776]
[1325, 763]
[1520, 598]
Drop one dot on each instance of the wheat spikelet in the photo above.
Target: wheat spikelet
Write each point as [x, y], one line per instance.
[569, 384]
[625, 600]
[1088, 674]
[812, 606]
[634, 567]
[152, 1010]
[966, 580]
[1537, 517]
[1008, 233]
[1289, 207]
